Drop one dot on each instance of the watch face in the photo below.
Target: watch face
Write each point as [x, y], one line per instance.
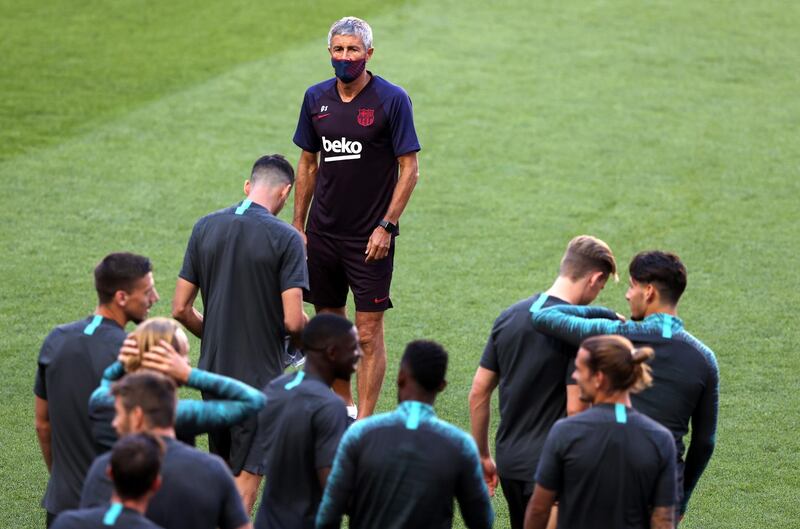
[388, 226]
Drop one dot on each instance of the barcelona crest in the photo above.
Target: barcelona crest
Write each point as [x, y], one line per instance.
[366, 116]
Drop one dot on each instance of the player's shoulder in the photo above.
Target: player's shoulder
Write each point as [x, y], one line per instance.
[453, 434]
[386, 89]
[363, 428]
[74, 518]
[316, 91]
[705, 351]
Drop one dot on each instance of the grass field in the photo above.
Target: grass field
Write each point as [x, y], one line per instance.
[668, 125]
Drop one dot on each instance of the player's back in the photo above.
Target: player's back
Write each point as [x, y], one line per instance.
[114, 515]
[71, 364]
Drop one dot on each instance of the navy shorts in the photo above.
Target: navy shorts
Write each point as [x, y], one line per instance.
[336, 265]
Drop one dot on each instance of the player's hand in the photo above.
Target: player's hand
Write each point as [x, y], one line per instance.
[128, 351]
[165, 359]
[378, 244]
[621, 317]
[302, 229]
[490, 473]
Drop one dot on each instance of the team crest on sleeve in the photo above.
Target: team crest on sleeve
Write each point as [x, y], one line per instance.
[366, 116]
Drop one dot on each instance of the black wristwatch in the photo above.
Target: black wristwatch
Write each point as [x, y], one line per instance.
[388, 226]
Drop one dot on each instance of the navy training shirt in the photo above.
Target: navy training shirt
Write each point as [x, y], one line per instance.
[111, 516]
[71, 363]
[403, 469]
[534, 370]
[359, 143]
[305, 421]
[610, 465]
[242, 258]
[685, 376]
[197, 490]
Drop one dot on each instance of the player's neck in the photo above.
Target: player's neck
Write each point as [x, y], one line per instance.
[139, 505]
[617, 397]
[322, 372]
[658, 308]
[566, 289]
[112, 312]
[349, 91]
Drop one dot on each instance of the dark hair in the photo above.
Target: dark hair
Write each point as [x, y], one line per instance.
[272, 169]
[119, 271]
[325, 330]
[663, 270]
[135, 464]
[152, 392]
[427, 361]
[586, 254]
[621, 362]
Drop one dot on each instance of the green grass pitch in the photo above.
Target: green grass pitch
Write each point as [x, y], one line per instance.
[654, 124]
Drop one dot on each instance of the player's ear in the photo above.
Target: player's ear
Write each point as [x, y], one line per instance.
[369, 53]
[441, 386]
[285, 191]
[247, 186]
[121, 298]
[156, 484]
[109, 473]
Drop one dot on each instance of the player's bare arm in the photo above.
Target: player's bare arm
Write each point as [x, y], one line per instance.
[662, 518]
[539, 507]
[480, 399]
[42, 421]
[305, 180]
[183, 307]
[294, 318]
[380, 240]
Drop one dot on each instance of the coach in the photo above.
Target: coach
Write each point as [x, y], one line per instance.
[359, 164]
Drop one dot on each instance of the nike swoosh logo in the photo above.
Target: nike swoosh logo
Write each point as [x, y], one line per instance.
[381, 300]
[320, 116]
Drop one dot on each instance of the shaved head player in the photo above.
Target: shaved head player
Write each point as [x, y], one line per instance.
[359, 164]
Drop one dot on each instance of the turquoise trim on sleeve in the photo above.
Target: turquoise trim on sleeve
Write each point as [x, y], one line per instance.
[539, 303]
[621, 413]
[295, 381]
[93, 325]
[412, 422]
[666, 328]
[243, 207]
[112, 514]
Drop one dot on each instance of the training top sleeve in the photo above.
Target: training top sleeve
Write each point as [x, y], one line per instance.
[401, 122]
[471, 491]
[664, 493]
[97, 486]
[236, 401]
[575, 323]
[341, 480]
[489, 357]
[294, 270]
[550, 472]
[704, 431]
[305, 136]
[40, 383]
[189, 270]
[329, 424]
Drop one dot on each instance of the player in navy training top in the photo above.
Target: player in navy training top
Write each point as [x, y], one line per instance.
[685, 371]
[403, 469]
[134, 469]
[359, 163]
[197, 489]
[71, 362]
[250, 269]
[610, 466]
[307, 421]
[534, 374]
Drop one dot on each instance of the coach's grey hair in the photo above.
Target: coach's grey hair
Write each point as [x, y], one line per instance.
[351, 26]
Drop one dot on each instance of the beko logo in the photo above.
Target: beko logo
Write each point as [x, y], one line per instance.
[347, 150]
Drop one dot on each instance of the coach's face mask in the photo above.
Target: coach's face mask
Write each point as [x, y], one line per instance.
[348, 71]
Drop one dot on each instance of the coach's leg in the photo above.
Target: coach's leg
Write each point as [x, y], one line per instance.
[372, 367]
[340, 387]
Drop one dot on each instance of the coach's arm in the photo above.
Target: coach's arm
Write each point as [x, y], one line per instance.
[480, 399]
[304, 183]
[42, 421]
[183, 307]
[380, 240]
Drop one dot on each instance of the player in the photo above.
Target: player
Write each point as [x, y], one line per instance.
[359, 163]
[197, 490]
[71, 362]
[609, 466]
[404, 468]
[306, 420]
[250, 268]
[534, 372]
[159, 344]
[685, 371]
[134, 470]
